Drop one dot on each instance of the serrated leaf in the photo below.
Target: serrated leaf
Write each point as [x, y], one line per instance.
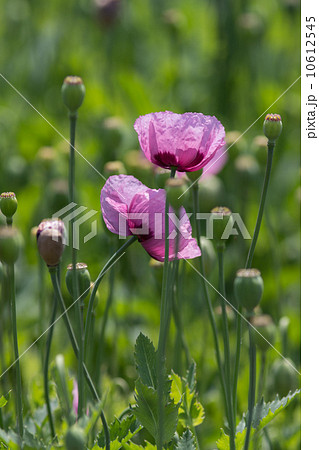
[146, 411]
[120, 429]
[145, 359]
[4, 399]
[263, 414]
[133, 446]
[191, 412]
[186, 441]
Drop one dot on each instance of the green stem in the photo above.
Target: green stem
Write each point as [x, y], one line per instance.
[57, 291]
[46, 367]
[104, 322]
[89, 313]
[271, 147]
[252, 386]
[262, 370]
[208, 302]
[220, 253]
[75, 286]
[19, 409]
[163, 333]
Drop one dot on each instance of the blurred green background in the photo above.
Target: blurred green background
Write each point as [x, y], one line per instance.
[231, 59]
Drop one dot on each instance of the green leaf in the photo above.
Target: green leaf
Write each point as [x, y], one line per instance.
[132, 446]
[191, 376]
[191, 412]
[186, 442]
[4, 399]
[145, 359]
[146, 411]
[263, 414]
[120, 429]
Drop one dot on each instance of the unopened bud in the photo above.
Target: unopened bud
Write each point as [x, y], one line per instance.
[50, 240]
[266, 331]
[248, 287]
[83, 279]
[73, 92]
[272, 127]
[10, 244]
[8, 204]
[175, 188]
[75, 438]
[282, 377]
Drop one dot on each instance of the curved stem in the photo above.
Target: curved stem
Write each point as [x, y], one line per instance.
[220, 253]
[57, 291]
[252, 386]
[208, 302]
[46, 367]
[271, 146]
[88, 321]
[19, 408]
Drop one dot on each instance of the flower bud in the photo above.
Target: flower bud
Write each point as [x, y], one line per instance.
[8, 204]
[272, 127]
[282, 377]
[114, 168]
[73, 92]
[83, 279]
[221, 217]
[194, 176]
[267, 329]
[211, 192]
[75, 439]
[248, 287]
[50, 240]
[10, 244]
[208, 254]
[175, 188]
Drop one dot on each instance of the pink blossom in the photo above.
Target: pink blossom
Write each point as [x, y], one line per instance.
[187, 142]
[75, 395]
[131, 208]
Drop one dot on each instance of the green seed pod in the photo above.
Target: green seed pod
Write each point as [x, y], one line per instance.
[211, 193]
[194, 176]
[272, 127]
[75, 438]
[73, 92]
[175, 188]
[248, 287]
[83, 278]
[221, 217]
[10, 244]
[282, 377]
[114, 168]
[8, 204]
[50, 240]
[267, 329]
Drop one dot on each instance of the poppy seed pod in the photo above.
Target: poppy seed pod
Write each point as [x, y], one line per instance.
[114, 168]
[221, 217]
[75, 438]
[248, 287]
[8, 204]
[50, 240]
[10, 244]
[73, 92]
[83, 279]
[272, 127]
[267, 329]
[175, 188]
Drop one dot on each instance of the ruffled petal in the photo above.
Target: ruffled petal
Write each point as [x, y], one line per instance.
[148, 209]
[116, 196]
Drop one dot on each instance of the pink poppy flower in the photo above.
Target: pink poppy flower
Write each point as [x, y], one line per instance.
[131, 208]
[186, 142]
